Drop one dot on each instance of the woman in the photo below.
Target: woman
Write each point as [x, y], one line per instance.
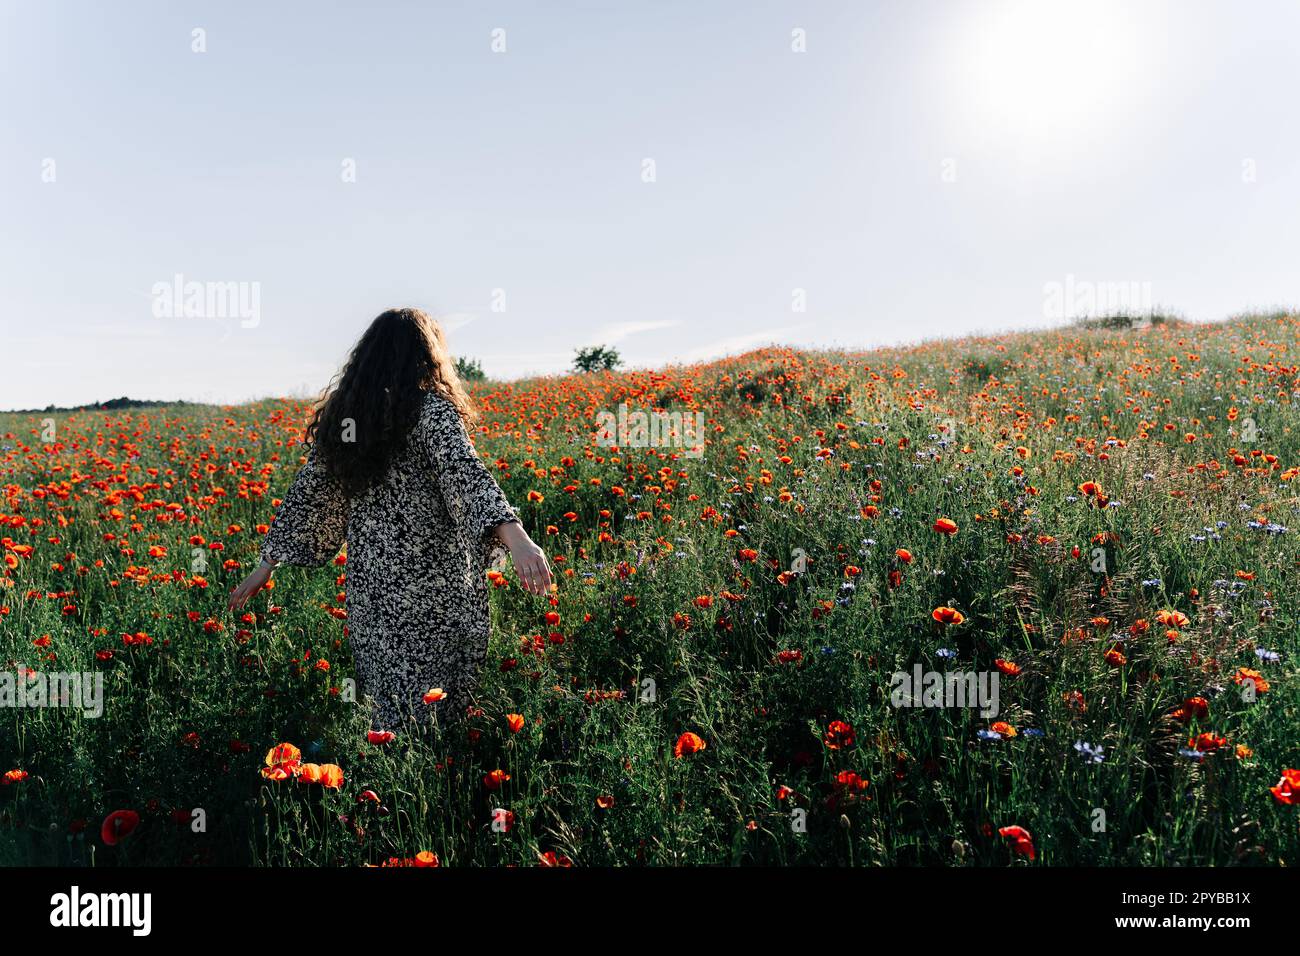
[390, 469]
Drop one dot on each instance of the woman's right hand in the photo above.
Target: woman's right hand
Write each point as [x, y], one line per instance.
[530, 561]
[250, 586]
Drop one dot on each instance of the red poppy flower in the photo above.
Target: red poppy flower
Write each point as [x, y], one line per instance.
[1021, 842]
[839, 735]
[688, 743]
[1287, 790]
[118, 825]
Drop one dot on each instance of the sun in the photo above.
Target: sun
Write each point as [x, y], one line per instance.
[1049, 70]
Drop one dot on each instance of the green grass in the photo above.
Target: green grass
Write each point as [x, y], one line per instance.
[190, 716]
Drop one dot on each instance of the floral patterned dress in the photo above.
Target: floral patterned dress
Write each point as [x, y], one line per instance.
[419, 543]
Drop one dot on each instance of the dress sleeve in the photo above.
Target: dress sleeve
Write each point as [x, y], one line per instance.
[309, 527]
[474, 500]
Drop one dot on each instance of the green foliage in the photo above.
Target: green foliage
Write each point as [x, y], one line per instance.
[469, 370]
[596, 358]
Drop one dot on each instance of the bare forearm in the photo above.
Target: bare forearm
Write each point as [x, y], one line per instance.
[511, 534]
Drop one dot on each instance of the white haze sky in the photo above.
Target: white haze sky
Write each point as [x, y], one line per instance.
[923, 170]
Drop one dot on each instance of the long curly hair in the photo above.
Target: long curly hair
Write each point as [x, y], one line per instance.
[365, 415]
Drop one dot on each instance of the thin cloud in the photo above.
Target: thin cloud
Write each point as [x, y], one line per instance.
[456, 320]
[617, 332]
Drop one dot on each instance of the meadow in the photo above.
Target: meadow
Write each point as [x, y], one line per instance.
[1103, 517]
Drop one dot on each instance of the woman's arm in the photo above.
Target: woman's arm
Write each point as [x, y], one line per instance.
[474, 500]
[308, 528]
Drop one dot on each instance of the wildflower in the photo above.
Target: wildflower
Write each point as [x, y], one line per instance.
[282, 761]
[947, 615]
[1287, 790]
[1193, 708]
[839, 735]
[1175, 619]
[688, 743]
[1090, 751]
[118, 825]
[1021, 841]
[1246, 675]
[331, 776]
[1206, 743]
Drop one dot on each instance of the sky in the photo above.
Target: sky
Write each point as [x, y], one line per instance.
[680, 180]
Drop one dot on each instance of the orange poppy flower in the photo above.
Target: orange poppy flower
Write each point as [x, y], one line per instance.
[1172, 618]
[947, 615]
[331, 776]
[688, 743]
[1245, 674]
[1288, 788]
[282, 754]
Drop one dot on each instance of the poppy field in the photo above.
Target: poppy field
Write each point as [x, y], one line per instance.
[1098, 522]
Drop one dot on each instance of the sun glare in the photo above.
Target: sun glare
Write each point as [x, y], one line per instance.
[1044, 70]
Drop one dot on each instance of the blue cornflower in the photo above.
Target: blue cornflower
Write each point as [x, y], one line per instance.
[1090, 751]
